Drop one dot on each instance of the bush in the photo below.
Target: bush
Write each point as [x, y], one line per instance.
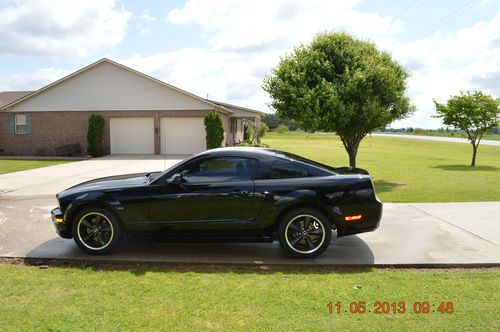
[282, 128]
[263, 129]
[214, 130]
[249, 132]
[95, 134]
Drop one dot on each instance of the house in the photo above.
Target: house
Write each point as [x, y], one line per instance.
[143, 115]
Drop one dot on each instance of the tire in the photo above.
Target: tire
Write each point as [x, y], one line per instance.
[96, 230]
[304, 233]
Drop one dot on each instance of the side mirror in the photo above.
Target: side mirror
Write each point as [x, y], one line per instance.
[174, 179]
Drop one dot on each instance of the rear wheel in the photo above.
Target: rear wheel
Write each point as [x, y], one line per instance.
[96, 230]
[304, 232]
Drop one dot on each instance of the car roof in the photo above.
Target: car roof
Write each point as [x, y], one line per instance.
[242, 151]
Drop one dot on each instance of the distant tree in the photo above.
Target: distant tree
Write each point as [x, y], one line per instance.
[473, 112]
[342, 84]
[282, 128]
[273, 121]
[214, 130]
[95, 133]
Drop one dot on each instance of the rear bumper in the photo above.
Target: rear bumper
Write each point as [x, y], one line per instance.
[59, 223]
[372, 214]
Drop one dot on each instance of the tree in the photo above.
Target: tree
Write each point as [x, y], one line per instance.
[342, 84]
[214, 130]
[473, 112]
[95, 133]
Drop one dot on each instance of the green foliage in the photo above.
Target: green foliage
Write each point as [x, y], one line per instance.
[342, 84]
[473, 112]
[273, 121]
[282, 128]
[249, 132]
[263, 129]
[95, 135]
[214, 130]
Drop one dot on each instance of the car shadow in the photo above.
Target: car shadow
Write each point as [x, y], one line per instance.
[344, 251]
[382, 186]
[468, 168]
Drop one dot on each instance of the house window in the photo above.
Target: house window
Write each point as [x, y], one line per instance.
[21, 124]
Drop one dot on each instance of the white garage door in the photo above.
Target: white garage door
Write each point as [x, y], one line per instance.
[132, 135]
[182, 135]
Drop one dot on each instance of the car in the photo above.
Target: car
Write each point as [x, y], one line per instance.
[238, 194]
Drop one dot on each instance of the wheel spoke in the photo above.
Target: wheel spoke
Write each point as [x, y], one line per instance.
[310, 244]
[307, 221]
[98, 219]
[87, 224]
[295, 240]
[88, 237]
[316, 231]
[294, 227]
[101, 240]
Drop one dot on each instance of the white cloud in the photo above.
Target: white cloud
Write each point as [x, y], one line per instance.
[60, 27]
[144, 22]
[31, 81]
[247, 38]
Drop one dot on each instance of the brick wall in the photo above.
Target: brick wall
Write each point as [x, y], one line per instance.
[53, 129]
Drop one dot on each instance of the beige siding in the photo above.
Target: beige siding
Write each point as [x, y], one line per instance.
[227, 135]
[109, 87]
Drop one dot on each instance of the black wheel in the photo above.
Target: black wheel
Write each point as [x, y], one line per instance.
[96, 230]
[304, 232]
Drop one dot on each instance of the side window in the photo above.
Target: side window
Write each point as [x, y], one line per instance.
[21, 124]
[219, 169]
[286, 170]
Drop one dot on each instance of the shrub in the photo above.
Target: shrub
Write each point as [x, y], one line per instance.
[95, 134]
[214, 130]
[263, 128]
[282, 128]
[249, 132]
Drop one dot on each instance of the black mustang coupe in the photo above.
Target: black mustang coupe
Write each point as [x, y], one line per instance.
[226, 194]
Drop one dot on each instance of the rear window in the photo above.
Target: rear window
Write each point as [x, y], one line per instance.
[292, 156]
[282, 169]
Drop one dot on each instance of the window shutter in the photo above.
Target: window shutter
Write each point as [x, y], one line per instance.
[12, 123]
[28, 123]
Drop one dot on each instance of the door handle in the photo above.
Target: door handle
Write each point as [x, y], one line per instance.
[239, 192]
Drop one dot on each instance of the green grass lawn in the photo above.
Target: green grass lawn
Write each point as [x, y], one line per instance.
[84, 299]
[406, 170]
[16, 165]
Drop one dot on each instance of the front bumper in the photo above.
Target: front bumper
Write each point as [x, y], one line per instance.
[59, 223]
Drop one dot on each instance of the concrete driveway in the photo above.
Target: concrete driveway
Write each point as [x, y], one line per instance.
[449, 234]
[48, 181]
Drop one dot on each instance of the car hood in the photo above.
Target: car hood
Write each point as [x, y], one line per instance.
[110, 182]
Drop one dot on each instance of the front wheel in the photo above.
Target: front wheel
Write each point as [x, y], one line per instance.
[96, 230]
[304, 232]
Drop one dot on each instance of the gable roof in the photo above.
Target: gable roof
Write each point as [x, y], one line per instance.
[236, 106]
[8, 97]
[105, 60]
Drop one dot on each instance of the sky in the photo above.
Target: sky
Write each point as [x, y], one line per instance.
[222, 49]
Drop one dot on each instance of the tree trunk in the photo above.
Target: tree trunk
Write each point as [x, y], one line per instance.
[474, 152]
[352, 156]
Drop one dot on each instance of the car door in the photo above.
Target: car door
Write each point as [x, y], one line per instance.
[214, 190]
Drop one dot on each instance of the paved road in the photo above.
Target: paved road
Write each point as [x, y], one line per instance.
[410, 234]
[438, 138]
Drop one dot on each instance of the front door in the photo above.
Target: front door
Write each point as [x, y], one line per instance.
[217, 190]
